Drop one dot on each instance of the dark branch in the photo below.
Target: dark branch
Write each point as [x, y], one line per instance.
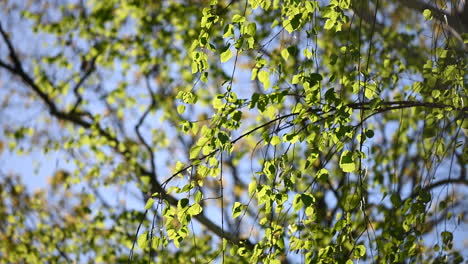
[140, 122]
[436, 184]
[453, 22]
[88, 72]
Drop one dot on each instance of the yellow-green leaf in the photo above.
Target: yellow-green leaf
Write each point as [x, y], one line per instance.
[226, 55]
[347, 161]
[181, 109]
[195, 209]
[142, 240]
[149, 203]
[285, 54]
[264, 78]
[275, 140]
[237, 209]
[238, 18]
[427, 14]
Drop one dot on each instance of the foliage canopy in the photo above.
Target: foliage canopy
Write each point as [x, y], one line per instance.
[257, 131]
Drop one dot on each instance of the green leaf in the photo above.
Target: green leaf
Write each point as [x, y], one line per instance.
[296, 79]
[225, 243]
[447, 237]
[182, 203]
[347, 162]
[233, 250]
[425, 196]
[198, 196]
[350, 201]
[181, 109]
[285, 54]
[237, 209]
[264, 78]
[395, 199]
[142, 240]
[275, 140]
[252, 187]
[194, 209]
[223, 137]
[270, 170]
[228, 31]
[307, 199]
[251, 29]
[238, 18]
[179, 166]
[329, 24]
[237, 116]
[226, 55]
[369, 133]
[274, 261]
[218, 103]
[149, 203]
[427, 14]
[322, 175]
[360, 251]
[295, 22]
[340, 225]
[195, 151]
[310, 211]
[370, 91]
[297, 203]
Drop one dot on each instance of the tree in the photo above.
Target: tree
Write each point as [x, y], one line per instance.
[235, 131]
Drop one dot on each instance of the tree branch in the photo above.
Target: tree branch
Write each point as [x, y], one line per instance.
[457, 24]
[88, 71]
[140, 122]
[436, 184]
[453, 22]
[18, 70]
